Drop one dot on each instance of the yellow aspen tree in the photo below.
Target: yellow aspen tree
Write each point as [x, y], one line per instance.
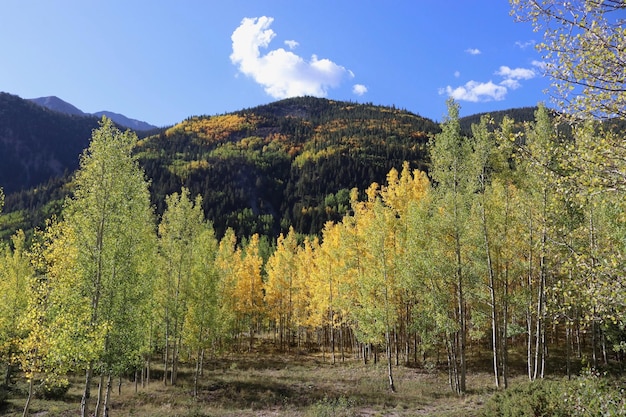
[226, 261]
[400, 193]
[304, 318]
[326, 283]
[377, 290]
[279, 288]
[249, 287]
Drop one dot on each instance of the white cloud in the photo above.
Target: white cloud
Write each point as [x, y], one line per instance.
[457, 74]
[540, 65]
[282, 73]
[359, 89]
[475, 91]
[511, 83]
[473, 51]
[516, 73]
[292, 44]
[526, 44]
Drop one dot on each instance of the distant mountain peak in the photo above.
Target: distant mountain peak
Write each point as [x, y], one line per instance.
[56, 104]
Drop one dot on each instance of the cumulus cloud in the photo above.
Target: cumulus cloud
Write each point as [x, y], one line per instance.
[516, 73]
[475, 91]
[282, 73]
[359, 89]
[473, 51]
[513, 75]
[540, 65]
[292, 44]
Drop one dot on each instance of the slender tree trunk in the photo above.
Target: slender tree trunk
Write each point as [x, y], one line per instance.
[504, 339]
[99, 398]
[392, 387]
[167, 347]
[7, 375]
[84, 402]
[30, 396]
[107, 398]
[196, 374]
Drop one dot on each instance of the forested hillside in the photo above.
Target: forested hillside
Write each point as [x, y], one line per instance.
[290, 163]
[262, 170]
[37, 144]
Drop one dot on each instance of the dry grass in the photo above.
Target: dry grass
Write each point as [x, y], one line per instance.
[285, 385]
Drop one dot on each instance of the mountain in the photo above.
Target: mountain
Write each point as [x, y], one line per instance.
[259, 170]
[56, 104]
[289, 163]
[122, 120]
[37, 144]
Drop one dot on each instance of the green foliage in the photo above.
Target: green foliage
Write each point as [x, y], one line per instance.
[531, 399]
[590, 395]
[51, 390]
[583, 52]
[333, 407]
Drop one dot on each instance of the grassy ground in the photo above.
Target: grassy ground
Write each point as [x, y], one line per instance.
[284, 385]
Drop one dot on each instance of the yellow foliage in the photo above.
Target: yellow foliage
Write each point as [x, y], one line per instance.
[215, 128]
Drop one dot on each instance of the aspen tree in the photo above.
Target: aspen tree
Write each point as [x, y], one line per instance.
[108, 227]
[226, 262]
[182, 223]
[15, 272]
[454, 183]
[248, 291]
[280, 286]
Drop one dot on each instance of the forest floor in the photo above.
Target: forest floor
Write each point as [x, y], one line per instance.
[288, 384]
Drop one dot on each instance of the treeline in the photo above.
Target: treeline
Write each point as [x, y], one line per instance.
[516, 241]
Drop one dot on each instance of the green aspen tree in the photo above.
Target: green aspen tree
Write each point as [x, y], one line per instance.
[450, 153]
[108, 226]
[200, 320]
[182, 222]
[583, 51]
[538, 163]
[595, 241]
[15, 271]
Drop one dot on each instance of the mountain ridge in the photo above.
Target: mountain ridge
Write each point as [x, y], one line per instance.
[54, 103]
[260, 170]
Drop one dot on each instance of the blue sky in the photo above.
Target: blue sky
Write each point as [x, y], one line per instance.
[163, 61]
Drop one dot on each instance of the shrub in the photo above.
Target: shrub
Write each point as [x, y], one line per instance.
[531, 399]
[328, 407]
[586, 396]
[51, 390]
